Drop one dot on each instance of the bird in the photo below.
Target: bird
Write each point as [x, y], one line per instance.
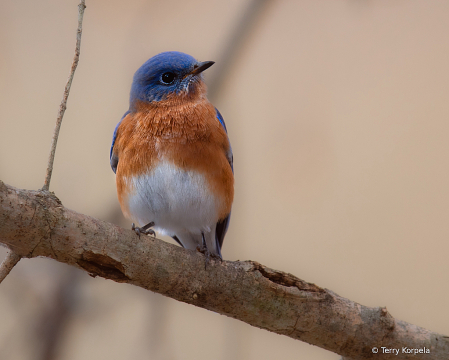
[172, 156]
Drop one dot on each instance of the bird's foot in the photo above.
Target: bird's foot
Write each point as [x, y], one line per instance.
[204, 250]
[209, 255]
[146, 229]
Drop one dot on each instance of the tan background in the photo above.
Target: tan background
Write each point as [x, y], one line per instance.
[338, 117]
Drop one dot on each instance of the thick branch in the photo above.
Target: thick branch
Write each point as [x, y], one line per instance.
[34, 223]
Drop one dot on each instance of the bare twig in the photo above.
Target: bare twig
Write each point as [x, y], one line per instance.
[34, 223]
[12, 258]
[8, 263]
[63, 105]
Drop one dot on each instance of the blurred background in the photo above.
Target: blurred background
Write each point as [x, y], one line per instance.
[337, 113]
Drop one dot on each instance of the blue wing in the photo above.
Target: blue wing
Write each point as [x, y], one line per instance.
[222, 225]
[112, 157]
[229, 155]
[221, 120]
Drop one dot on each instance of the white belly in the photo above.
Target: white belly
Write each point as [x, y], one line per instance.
[177, 201]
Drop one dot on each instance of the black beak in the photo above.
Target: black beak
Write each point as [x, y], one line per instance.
[201, 66]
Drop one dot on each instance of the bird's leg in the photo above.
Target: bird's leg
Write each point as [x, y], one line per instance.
[144, 229]
[204, 250]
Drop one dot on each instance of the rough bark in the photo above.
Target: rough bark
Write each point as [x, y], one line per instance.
[35, 223]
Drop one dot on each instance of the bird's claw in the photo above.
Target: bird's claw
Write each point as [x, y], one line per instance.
[204, 250]
[143, 230]
[209, 255]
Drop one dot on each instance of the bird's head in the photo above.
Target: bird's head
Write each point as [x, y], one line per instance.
[168, 76]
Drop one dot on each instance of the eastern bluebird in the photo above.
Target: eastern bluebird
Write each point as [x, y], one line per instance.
[172, 156]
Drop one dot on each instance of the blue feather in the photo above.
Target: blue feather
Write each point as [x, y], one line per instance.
[229, 155]
[112, 158]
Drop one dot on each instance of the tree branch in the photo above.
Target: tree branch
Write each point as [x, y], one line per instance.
[8, 263]
[34, 223]
[12, 259]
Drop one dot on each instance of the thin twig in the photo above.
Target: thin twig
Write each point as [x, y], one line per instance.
[63, 105]
[8, 263]
[234, 45]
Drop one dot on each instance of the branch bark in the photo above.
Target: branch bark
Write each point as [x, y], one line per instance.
[35, 223]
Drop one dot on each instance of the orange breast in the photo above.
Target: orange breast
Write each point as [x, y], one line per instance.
[186, 133]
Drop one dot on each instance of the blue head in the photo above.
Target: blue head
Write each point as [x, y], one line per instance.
[166, 74]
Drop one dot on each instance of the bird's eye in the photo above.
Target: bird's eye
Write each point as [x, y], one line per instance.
[168, 77]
